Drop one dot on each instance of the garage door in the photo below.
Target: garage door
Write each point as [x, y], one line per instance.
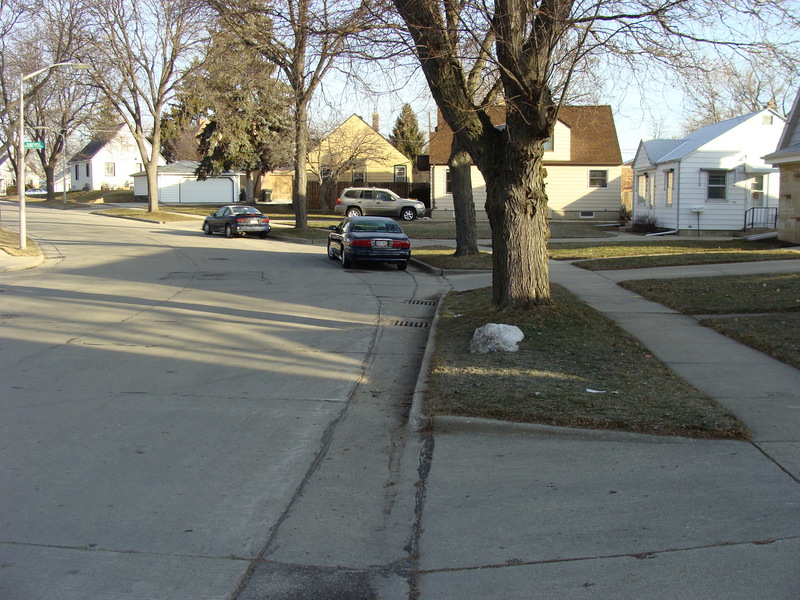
[219, 190]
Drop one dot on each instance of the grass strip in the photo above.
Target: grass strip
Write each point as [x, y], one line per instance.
[9, 243]
[763, 293]
[777, 335]
[575, 368]
[141, 214]
[765, 308]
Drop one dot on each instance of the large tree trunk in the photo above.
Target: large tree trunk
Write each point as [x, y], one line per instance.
[151, 168]
[460, 165]
[517, 209]
[299, 199]
[50, 178]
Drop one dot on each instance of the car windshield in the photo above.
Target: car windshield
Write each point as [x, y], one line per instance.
[376, 227]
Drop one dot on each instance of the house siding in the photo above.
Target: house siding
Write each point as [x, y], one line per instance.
[567, 188]
[569, 193]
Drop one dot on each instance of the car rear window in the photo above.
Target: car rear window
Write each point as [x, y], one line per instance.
[377, 227]
[351, 194]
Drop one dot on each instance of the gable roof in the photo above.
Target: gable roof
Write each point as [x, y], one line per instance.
[662, 151]
[593, 135]
[96, 144]
[786, 151]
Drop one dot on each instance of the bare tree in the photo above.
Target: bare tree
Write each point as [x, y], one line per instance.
[537, 47]
[142, 50]
[35, 35]
[304, 39]
[724, 89]
[345, 148]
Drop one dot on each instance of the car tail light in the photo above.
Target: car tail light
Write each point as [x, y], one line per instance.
[240, 219]
[361, 243]
[401, 244]
[265, 220]
[338, 201]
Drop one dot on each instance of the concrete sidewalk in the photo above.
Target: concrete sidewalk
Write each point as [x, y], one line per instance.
[539, 512]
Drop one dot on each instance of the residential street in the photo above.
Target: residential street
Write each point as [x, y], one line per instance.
[193, 417]
[177, 407]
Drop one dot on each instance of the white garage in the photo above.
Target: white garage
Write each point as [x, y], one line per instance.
[177, 184]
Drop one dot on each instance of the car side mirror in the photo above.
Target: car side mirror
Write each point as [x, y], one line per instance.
[333, 228]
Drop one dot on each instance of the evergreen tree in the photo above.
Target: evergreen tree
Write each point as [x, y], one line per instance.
[406, 136]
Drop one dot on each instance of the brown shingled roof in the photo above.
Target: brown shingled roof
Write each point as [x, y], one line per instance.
[594, 136]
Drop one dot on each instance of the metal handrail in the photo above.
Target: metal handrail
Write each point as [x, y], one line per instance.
[761, 216]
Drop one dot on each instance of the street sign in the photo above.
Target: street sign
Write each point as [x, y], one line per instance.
[29, 145]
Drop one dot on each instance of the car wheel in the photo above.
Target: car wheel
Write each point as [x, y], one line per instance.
[408, 214]
[353, 211]
[206, 228]
[346, 263]
[403, 265]
[228, 231]
[331, 255]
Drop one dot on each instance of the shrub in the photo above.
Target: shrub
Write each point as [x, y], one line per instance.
[645, 224]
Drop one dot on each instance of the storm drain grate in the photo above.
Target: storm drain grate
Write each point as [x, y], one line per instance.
[423, 324]
[422, 302]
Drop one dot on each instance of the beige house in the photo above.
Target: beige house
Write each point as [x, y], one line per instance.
[787, 158]
[355, 153]
[583, 162]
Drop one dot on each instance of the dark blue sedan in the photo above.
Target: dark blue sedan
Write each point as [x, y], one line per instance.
[375, 239]
[237, 219]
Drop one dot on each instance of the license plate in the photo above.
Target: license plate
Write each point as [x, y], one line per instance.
[381, 243]
[253, 221]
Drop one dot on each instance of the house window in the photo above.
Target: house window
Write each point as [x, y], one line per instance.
[109, 169]
[587, 214]
[641, 190]
[77, 172]
[717, 182]
[325, 173]
[598, 178]
[767, 120]
[669, 185]
[87, 169]
[758, 183]
[448, 182]
[651, 191]
[400, 174]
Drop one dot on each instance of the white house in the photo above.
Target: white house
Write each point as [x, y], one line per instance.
[787, 158]
[713, 180]
[178, 184]
[582, 158]
[107, 162]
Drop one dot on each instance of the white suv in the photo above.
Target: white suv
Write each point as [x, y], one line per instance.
[354, 202]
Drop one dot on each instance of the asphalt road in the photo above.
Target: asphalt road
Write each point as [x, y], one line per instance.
[196, 417]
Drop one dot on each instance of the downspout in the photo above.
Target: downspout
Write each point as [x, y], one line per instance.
[676, 189]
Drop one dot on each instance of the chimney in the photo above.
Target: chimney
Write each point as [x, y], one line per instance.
[375, 121]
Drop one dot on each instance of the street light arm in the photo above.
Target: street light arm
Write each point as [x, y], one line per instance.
[74, 65]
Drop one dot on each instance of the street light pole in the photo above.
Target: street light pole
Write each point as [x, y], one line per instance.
[23, 237]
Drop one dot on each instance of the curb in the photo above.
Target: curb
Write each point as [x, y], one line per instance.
[417, 420]
[34, 261]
